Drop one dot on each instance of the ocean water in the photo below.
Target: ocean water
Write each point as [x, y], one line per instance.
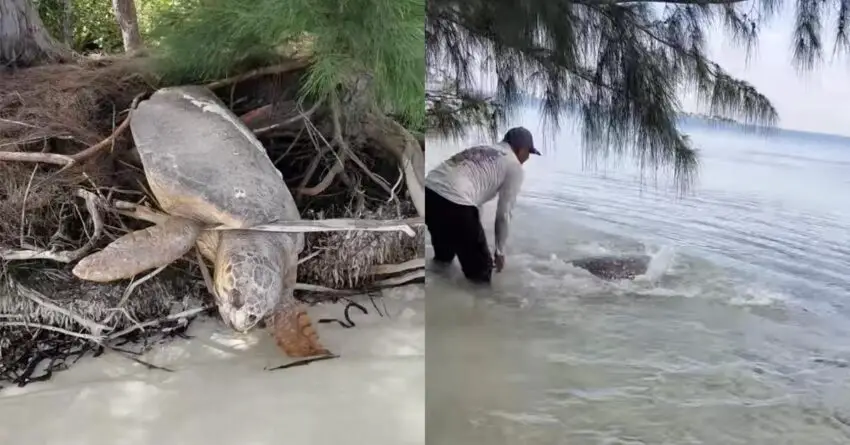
[739, 333]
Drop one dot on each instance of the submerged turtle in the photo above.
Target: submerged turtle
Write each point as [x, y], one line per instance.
[206, 168]
[615, 267]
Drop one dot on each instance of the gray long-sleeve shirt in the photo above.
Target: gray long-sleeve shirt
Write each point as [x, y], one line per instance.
[475, 176]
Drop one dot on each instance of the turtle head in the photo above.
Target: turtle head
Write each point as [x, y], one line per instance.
[249, 281]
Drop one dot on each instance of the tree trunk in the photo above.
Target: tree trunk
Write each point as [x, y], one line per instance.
[24, 41]
[68, 22]
[128, 21]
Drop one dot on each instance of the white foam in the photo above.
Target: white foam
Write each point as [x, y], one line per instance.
[661, 261]
[543, 278]
[526, 418]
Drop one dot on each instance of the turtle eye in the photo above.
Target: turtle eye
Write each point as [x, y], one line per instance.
[236, 299]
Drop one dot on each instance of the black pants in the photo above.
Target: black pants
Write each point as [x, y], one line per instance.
[456, 231]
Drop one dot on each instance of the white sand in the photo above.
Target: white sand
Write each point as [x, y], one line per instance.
[220, 393]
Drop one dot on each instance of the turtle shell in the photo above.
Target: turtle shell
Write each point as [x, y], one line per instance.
[203, 163]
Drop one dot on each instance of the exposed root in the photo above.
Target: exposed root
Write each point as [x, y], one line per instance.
[395, 139]
[326, 181]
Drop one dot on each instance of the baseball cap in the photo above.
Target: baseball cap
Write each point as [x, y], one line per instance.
[520, 137]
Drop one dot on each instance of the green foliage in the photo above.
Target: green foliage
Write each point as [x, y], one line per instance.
[617, 65]
[93, 24]
[151, 12]
[381, 40]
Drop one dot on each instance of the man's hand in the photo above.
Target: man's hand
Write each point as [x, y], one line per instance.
[499, 261]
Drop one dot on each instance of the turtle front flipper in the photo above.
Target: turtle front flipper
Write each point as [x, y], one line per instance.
[139, 251]
[294, 333]
[292, 328]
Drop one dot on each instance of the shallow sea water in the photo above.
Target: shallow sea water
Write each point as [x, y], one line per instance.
[738, 333]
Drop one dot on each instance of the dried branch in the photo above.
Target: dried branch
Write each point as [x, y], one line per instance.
[288, 66]
[70, 160]
[386, 269]
[94, 338]
[292, 120]
[302, 226]
[177, 316]
[401, 279]
[254, 114]
[336, 225]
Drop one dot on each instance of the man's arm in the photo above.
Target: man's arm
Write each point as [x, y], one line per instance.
[507, 198]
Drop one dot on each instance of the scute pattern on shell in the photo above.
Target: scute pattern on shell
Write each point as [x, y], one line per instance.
[206, 165]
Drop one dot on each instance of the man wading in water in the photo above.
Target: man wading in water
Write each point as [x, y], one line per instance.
[457, 187]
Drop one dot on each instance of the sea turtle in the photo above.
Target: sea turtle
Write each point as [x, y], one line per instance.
[206, 168]
[615, 267]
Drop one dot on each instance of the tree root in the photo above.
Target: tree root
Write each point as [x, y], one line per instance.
[326, 181]
[393, 137]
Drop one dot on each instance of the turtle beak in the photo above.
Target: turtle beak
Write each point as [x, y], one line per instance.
[240, 321]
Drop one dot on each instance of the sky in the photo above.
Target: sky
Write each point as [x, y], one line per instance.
[817, 101]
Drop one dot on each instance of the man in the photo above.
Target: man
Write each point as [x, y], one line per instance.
[455, 190]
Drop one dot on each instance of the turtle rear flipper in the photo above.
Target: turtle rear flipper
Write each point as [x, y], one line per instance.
[139, 251]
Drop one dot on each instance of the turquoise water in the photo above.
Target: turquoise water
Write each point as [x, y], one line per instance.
[739, 332]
